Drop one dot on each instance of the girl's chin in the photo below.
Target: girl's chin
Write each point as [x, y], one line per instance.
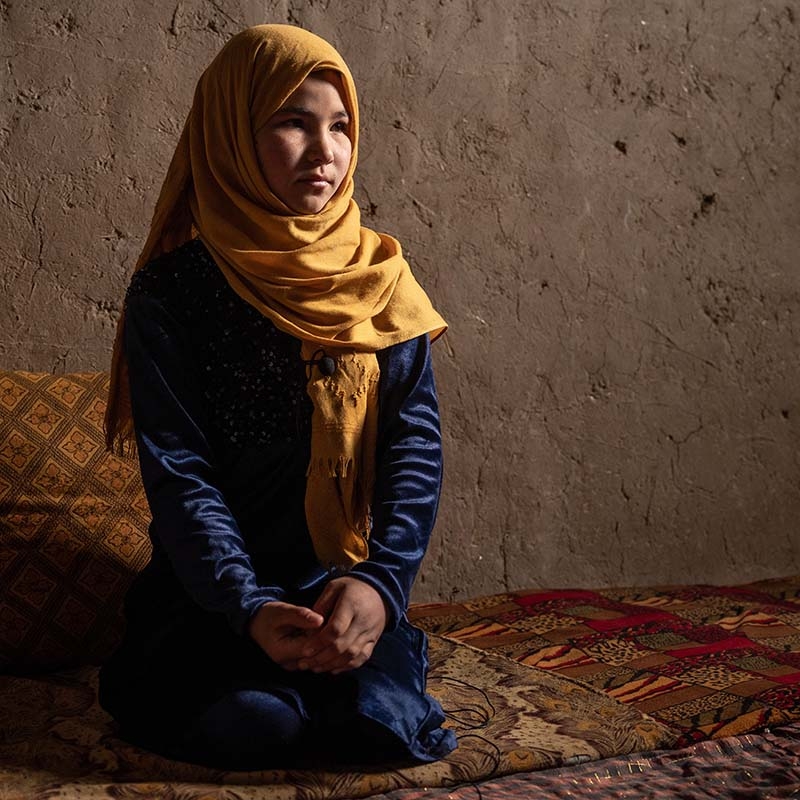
[310, 205]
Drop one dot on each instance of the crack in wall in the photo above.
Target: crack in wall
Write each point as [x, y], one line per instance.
[604, 211]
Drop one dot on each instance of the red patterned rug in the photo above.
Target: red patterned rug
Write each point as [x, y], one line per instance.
[707, 661]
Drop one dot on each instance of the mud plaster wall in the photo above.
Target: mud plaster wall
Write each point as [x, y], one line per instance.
[601, 197]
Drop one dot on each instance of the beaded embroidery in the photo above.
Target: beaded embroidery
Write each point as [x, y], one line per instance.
[251, 373]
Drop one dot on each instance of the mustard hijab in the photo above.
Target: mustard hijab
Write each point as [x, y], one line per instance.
[322, 278]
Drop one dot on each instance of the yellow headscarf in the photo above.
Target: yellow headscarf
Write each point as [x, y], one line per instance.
[319, 277]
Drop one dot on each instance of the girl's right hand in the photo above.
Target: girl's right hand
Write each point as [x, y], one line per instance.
[280, 630]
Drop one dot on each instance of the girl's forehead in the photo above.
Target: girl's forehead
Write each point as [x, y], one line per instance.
[264, 105]
[324, 83]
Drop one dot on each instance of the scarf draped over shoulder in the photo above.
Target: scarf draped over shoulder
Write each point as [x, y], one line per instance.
[323, 278]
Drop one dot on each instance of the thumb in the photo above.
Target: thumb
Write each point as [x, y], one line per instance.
[326, 602]
[300, 617]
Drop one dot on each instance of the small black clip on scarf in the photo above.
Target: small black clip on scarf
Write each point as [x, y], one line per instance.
[323, 362]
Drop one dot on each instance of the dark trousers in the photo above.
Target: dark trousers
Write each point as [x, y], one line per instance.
[192, 689]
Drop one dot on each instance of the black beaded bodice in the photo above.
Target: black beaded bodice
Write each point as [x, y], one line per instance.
[250, 373]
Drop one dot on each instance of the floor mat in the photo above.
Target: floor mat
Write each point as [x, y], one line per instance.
[56, 742]
[751, 767]
[707, 661]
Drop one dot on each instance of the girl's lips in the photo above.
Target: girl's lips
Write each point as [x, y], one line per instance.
[318, 185]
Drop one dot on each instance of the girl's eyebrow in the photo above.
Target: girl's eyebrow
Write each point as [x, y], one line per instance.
[303, 111]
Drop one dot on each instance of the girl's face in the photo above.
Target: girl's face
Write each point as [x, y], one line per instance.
[304, 148]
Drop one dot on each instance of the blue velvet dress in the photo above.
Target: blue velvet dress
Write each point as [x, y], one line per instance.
[223, 431]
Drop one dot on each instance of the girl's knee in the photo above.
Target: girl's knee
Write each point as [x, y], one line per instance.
[263, 715]
[246, 729]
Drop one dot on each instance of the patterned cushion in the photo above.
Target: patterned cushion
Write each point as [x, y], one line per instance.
[73, 523]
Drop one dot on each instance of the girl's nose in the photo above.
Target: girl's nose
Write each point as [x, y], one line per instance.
[321, 149]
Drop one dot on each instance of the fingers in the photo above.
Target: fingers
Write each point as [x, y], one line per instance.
[351, 632]
[341, 655]
[337, 609]
[290, 616]
[336, 638]
[339, 633]
[281, 630]
[327, 600]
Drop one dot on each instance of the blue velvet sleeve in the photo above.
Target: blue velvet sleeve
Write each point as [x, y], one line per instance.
[191, 522]
[408, 474]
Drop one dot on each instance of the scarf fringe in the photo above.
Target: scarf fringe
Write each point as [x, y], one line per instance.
[122, 442]
[337, 467]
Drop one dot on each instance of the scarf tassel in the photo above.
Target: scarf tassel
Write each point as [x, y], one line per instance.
[337, 467]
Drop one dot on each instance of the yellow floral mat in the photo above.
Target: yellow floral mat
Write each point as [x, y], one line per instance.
[55, 741]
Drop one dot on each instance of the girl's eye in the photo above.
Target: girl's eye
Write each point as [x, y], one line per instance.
[340, 127]
[293, 122]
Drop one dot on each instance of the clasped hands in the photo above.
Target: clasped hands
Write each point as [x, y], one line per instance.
[337, 634]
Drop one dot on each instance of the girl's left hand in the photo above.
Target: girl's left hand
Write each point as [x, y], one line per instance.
[355, 618]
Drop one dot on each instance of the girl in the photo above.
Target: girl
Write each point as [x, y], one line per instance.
[274, 365]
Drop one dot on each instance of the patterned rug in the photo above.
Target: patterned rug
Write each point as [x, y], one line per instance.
[750, 767]
[530, 680]
[56, 742]
[705, 661]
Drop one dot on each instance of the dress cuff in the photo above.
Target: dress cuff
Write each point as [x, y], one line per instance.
[379, 579]
[240, 619]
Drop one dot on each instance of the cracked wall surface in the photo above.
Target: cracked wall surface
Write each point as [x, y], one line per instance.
[602, 198]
